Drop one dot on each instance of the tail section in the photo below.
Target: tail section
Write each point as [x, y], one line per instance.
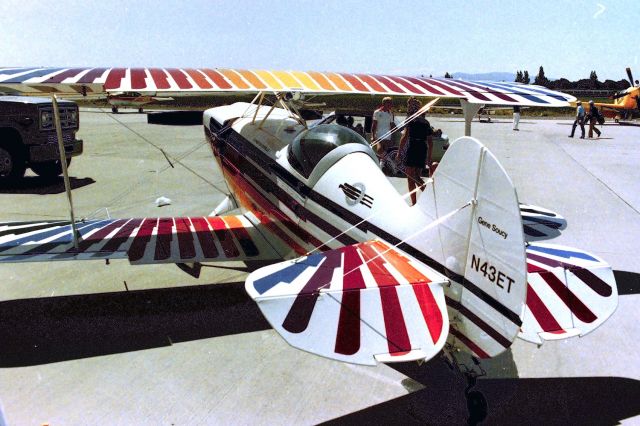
[480, 247]
[569, 293]
[361, 304]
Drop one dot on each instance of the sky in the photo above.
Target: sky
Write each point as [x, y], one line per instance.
[567, 38]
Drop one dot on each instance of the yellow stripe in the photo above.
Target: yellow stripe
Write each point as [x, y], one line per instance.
[268, 78]
[305, 80]
[287, 79]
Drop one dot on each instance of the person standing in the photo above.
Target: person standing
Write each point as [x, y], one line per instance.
[516, 117]
[580, 114]
[592, 118]
[383, 123]
[418, 135]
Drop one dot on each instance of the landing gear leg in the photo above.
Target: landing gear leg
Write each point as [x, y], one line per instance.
[476, 402]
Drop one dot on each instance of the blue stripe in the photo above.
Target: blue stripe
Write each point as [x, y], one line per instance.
[512, 90]
[286, 275]
[39, 73]
[567, 254]
[42, 235]
[514, 87]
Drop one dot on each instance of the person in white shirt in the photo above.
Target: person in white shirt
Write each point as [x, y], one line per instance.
[580, 115]
[382, 124]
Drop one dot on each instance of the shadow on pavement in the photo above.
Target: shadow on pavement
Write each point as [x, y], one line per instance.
[553, 401]
[41, 186]
[52, 329]
[628, 283]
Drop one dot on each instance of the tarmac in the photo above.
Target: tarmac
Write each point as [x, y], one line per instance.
[91, 343]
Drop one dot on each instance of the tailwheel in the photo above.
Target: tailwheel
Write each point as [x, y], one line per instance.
[476, 402]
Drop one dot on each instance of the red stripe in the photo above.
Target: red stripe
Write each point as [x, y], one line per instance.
[544, 317]
[114, 79]
[348, 336]
[390, 84]
[492, 91]
[357, 84]
[403, 83]
[185, 238]
[469, 343]
[299, 315]
[163, 238]
[142, 238]
[199, 78]
[159, 78]
[179, 78]
[443, 86]
[428, 306]
[428, 87]
[471, 91]
[576, 306]
[89, 77]
[64, 75]
[207, 242]
[394, 322]
[371, 82]
[121, 236]
[217, 78]
[138, 76]
[224, 236]
[495, 334]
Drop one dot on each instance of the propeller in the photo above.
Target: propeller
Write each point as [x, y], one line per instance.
[630, 76]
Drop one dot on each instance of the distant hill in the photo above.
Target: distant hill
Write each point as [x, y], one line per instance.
[489, 76]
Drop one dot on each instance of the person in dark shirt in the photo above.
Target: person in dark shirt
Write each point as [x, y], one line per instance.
[418, 135]
[592, 119]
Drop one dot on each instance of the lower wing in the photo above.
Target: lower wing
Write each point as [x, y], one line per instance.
[141, 241]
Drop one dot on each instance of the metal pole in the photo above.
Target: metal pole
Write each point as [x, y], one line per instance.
[65, 172]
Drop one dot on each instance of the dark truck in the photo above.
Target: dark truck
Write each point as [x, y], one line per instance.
[28, 136]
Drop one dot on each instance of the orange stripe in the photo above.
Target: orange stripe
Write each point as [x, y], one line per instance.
[321, 80]
[401, 264]
[234, 78]
[252, 79]
[305, 80]
[339, 82]
[371, 82]
[287, 79]
[269, 79]
[200, 80]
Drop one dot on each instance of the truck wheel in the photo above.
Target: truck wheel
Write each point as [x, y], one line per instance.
[12, 162]
[49, 169]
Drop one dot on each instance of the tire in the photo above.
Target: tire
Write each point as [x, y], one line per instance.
[114, 109]
[12, 162]
[49, 169]
[140, 110]
[477, 406]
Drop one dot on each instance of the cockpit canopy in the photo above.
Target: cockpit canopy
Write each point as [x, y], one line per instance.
[312, 145]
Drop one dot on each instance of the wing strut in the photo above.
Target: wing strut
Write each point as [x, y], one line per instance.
[65, 172]
[469, 110]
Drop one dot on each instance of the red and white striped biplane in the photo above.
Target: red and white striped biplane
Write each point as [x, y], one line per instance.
[360, 276]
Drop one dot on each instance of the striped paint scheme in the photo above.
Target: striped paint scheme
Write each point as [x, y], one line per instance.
[142, 241]
[379, 292]
[201, 81]
[570, 292]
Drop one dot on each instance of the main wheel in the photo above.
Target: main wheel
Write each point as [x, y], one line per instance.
[49, 169]
[12, 162]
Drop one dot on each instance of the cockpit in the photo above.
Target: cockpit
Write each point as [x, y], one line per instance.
[321, 146]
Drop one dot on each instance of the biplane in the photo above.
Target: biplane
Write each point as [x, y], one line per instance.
[358, 276]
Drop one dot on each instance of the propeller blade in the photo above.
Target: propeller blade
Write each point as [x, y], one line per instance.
[630, 76]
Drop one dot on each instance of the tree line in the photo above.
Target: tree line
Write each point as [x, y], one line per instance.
[591, 83]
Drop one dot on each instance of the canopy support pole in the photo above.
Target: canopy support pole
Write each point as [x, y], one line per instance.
[469, 110]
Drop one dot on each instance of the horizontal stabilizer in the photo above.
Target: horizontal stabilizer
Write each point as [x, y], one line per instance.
[360, 304]
[540, 223]
[142, 241]
[569, 293]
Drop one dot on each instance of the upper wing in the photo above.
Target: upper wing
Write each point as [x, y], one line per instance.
[142, 241]
[189, 81]
[362, 303]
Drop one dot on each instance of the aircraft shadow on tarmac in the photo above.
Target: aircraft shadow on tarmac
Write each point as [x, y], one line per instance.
[628, 283]
[42, 186]
[52, 329]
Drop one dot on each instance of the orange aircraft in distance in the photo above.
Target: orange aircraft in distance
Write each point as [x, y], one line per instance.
[626, 103]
